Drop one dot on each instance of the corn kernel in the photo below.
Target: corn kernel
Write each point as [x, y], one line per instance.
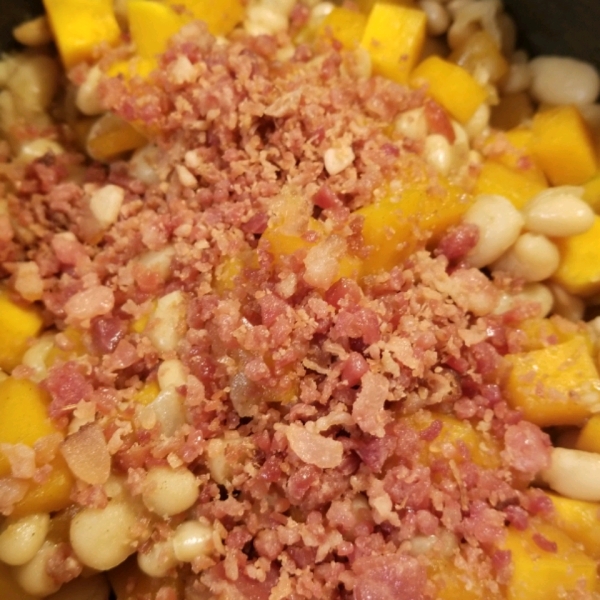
[18, 324]
[80, 26]
[579, 269]
[394, 37]
[563, 146]
[450, 85]
[556, 385]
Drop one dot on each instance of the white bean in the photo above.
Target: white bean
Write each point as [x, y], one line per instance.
[32, 576]
[87, 98]
[34, 82]
[337, 160]
[574, 474]
[192, 539]
[264, 20]
[102, 537]
[168, 411]
[532, 292]
[532, 257]
[34, 149]
[566, 305]
[143, 164]
[438, 19]
[159, 560]
[171, 374]
[158, 261]
[558, 212]
[438, 153]
[479, 122]
[105, 204]
[519, 75]
[499, 224]
[84, 588]
[168, 492]
[35, 32]
[166, 325]
[412, 124]
[20, 540]
[560, 80]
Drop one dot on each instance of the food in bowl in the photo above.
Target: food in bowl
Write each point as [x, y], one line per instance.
[292, 305]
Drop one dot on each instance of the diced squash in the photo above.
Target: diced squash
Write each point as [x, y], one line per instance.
[394, 37]
[23, 415]
[147, 393]
[556, 385]
[11, 590]
[580, 520]
[589, 436]
[591, 192]
[18, 325]
[563, 146]
[344, 25]
[51, 495]
[511, 111]
[111, 136]
[496, 178]
[365, 6]
[395, 225]
[80, 26]
[138, 66]
[450, 85]
[220, 17]
[454, 582]
[283, 239]
[542, 333]
[579, 269]
[152, 24]
[546, 574]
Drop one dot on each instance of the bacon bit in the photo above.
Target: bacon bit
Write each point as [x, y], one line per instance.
[21, 459]
[87, 455]
[438, 120]
[527, 448]
[368, 409]
[67, 386]
[11, 491]
[313, 448]
[544, 543]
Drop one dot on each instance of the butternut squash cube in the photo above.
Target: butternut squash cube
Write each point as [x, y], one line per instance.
[579, 269]
[547, 570]
[556, 385]
[344, 25]
[580, 520]
[589, 436]
[563, 146]
[80, 26]
[394, 37]
[220, 17]
[496, 178]
[18, 325]
[450, 85]
[591, 192]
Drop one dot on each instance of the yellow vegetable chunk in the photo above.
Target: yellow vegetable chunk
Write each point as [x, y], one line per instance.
[579, 269]
[450, 85]
[496, 178]
[152, 24]
[147, 393]
[563, 146]
[23, 415]
[589, 436]
[591, 192]
[51, 495]
[111, 136]
[344, 25]
[544, 574]
[542, 333]
[394, 37]
[80, 26]
[556, 385]
[220, 17]
[18, 325]
[580, 520]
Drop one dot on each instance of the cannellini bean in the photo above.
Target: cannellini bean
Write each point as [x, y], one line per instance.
[499, 224]
[479, 122]
[84, 588]
[171, 374]
[33, 83]
[264, 20]
[518, 78]
[143, 164]
[574, 474]
[532, 292]
[338, 159]
[192, 539]
[166, 325]
[561, 80]
[412, 124]
[20, 540]
[438, 19]
[158, 261]
[558, 212]
[319, 11]
[438, 153]
[34, 149]
[87, 98]
[105, 204]
[35, 32]
[532, 257]
[566, 305]
[102, 537]
[159, 560]
[168, 411]
[28, 281]
[168, 491]
[32, 576]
